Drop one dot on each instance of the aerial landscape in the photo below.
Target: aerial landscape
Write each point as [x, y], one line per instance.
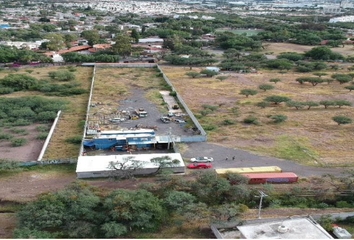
[166, 119]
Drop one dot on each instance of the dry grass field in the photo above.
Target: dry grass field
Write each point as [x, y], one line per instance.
[113, 84]
[308, 136]
[276, 48]
[68, 124]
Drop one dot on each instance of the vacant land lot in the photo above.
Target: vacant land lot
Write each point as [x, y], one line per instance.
[276, 48]
[69, 122]
[128, 89]
[308, 136]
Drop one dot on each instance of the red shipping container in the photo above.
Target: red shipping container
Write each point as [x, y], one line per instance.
[284, 177]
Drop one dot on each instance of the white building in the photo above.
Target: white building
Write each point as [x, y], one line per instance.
[342, 19]
[99, 166]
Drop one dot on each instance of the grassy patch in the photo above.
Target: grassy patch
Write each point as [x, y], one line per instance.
[60, 168]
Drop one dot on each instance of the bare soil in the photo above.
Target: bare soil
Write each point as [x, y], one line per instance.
[28, 152]
[7, 224]
[322, 140]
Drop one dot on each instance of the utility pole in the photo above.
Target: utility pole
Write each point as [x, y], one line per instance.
[261, 195]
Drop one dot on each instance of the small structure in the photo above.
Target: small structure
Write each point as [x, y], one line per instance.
[280, 228]
[215, 69]
[341, 233]
[101, 166]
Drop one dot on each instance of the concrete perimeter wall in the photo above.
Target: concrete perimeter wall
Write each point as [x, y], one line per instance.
[88, 110]
[196, 138]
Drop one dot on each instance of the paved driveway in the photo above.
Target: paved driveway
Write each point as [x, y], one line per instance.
[247, 159]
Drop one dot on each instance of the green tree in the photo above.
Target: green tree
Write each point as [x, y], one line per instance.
[135, 35]
[248, 92]
[91, 36]
[19, 82]
[193, 74]
[275, 80]
[56, 41]
[295, 104]
[137, 209]
[113, 229]
[342, 120]
[266, 87]
[342, 78]
[327, 103]
[310, 104]
[122, 45]
[323, 53]
[279, 64]
[222, 78]
[208, 73]
[350, 88]
[340, 103]
[262, 104]
[177, 200]
[276, 99]
[320, 74]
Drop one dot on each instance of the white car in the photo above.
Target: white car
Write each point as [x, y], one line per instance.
[202, 159]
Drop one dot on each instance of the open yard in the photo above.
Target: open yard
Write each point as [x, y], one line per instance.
[277, 48]
[68, 125]
[308, 136]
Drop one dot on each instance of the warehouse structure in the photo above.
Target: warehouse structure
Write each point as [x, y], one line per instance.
[280, 228]
[113, 165]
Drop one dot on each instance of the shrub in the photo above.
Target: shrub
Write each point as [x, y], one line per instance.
[71, 68]
[342, 119]
[6, 136]
[275, 80]
[74, 139]
[277, 99]
[295, 104]
[227, 122]
[248, 92]
[42, 128]
[46, 116]
[173, 94]
[29, 71]
[341, 103]
[193, 74]
[208, 127]
[342, 78]
[17, 142]
[343, 204]
[205, 112]
[350, 88]
[6, 90]
[235, 111]
[19, 130]
[210, 107]
[310, 104]
[322, 205]
[266, 87]
[262, 104]
[21, 122]
[42, 135]
[251, 120]
[208, 73]
[61, 75]
[278, 118]
[222, 78]
[327, 103]
[19, 82]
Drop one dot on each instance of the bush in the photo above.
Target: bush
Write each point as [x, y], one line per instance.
[46, 116]
[222, 78]
[6, 165]
[42, 128]
[248, 92]
[262, 104]
[6, 136]
[6, 90]
[343, 204]
[278, 118]
[266, 87]
[205, 112]
[42, 135]
[173, 94]
[210, 107]
[19, 130]
[29, 71]
[251, 120]
[208, 73]
[275, 80]
[74, 139]
[61, 75]
[17, 142]
[342, 120]
[193, 74]
[322, 205]
[71, 68]
[227, 122]
[19, 82]
[208, 127]
[277, 99]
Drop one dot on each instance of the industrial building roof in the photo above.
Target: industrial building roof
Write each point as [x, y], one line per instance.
[301, 228]
[101, 163]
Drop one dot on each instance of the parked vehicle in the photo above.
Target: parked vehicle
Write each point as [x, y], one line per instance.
[269, 169]
[283, 177]
[199, 165]
[141, 112]
[180, 121]
[134, 117]
[165, 119]
[175, 107]
[170, 114]
[202, 159]
[117, 120]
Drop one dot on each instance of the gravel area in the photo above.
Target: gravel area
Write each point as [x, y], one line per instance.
[137, 100]
[248, 159]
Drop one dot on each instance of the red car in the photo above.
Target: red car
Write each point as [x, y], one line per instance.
[199, 165]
